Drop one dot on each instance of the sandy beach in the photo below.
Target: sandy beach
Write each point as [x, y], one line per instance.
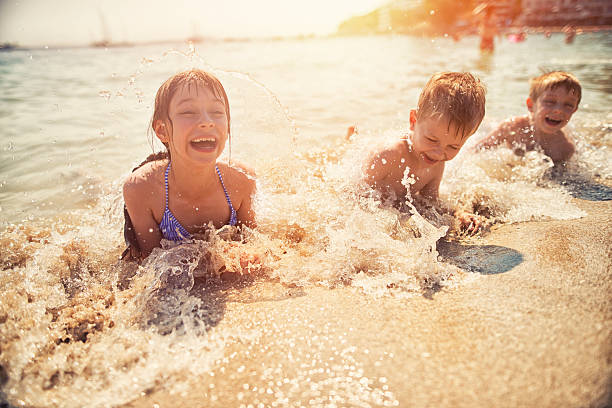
[536, 335]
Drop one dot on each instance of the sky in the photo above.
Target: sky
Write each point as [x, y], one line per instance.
[80, 22]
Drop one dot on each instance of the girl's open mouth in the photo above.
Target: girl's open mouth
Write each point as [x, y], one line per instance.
[204, 143]
[553, 122]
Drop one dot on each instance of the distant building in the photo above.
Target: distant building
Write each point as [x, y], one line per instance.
[505, 10]
[385, 12]
[405, 4]
[562, 12]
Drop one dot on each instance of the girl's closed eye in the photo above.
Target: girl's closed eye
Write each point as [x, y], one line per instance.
[187, 110]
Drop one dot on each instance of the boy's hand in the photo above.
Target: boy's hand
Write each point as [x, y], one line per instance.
[469, 223]
[352, 130]
[250, 262]
[236, 258]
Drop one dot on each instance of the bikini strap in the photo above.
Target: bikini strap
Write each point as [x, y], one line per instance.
[166, 182]
[233, 217]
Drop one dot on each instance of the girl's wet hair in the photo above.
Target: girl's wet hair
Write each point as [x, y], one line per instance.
[132, 252]
[192, 78]
[458, 97]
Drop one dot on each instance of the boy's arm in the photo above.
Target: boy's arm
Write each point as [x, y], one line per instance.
[146, 229]
[467, 220]
[565, 150]
[431, 189]
[569, 151]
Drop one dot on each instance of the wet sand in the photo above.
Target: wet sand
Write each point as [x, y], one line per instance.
[530, 325]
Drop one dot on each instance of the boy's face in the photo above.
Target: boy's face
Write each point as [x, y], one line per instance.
[433, 140]
[553, 109]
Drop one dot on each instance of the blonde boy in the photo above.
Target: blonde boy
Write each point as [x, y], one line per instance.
[450, 109]
[553, 99]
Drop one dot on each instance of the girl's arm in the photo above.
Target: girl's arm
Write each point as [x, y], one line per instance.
[246, 187]
[246, 214]
[137, 198]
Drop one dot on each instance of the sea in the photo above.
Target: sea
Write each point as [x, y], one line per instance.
[352, 302]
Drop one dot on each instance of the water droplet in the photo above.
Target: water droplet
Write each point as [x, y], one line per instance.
[105, 94]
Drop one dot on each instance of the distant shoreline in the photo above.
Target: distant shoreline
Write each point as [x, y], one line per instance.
[8, 46]
[559, 29]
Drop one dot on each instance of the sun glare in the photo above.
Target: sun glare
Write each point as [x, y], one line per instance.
[30, 22]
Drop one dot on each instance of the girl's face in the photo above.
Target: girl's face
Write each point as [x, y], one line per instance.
[199, 127]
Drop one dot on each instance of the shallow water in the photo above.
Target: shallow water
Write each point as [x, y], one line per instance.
[78, 327]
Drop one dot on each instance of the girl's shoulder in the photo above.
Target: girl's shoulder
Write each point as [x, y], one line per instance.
[147, 177]
[238, 176]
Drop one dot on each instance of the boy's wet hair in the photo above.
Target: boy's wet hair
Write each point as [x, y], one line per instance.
[458, 97]
[553, 80]
[192, 78]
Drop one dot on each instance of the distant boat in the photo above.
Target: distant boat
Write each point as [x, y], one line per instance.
[195, 37]
[106, 41]
[7, 46]
[109, 44]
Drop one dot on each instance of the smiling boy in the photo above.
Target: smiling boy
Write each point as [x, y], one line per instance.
[553, 99]
[450, 109]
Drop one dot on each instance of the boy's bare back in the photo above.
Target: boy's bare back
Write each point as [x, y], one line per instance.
[518, 133]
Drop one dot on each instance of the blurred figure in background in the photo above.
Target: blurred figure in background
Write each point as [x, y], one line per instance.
[487, 27]
[570, 33]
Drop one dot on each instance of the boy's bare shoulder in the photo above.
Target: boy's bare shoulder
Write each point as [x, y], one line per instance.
[520, 121]
[514, 124]
[509, 131]
[390, 153]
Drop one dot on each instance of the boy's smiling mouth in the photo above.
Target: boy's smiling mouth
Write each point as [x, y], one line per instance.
[428, 159]
[552, 122]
